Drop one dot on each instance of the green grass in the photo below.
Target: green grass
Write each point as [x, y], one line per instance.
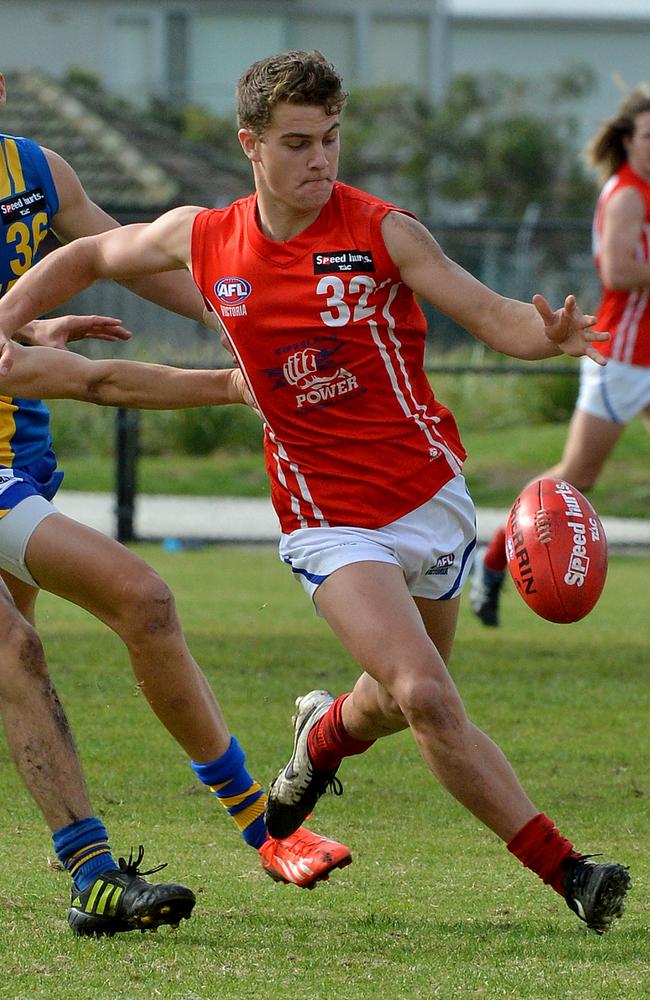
[500, 462]
[433, 905]
[219, 474]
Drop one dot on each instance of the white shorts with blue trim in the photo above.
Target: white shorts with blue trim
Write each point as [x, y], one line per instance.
[617, 392]
[432, 544]
[22, 508]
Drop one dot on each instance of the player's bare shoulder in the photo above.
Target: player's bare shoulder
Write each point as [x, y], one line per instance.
[625, 206]
[172, 232]
[183, 216]
[406, 238]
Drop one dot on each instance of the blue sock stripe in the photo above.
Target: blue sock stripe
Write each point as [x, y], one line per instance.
[70, 839]
[83, 850]
[224, 768]
[255, 834]
[230, 772]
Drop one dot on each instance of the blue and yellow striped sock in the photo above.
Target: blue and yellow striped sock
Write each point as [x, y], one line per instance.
[83, 850]
[241, 796]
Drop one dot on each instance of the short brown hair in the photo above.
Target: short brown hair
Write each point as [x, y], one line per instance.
[294, 77]
[606, 151]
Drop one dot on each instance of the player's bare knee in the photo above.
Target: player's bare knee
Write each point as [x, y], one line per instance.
[433, 706]
[583, 479]
[583, 482]
[148, 610]
[23, 658]
[390, 706]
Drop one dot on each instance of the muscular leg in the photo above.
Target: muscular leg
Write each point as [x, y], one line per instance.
[115, 585]
[589, 443]
[373, 710]
[93, 571]
[35, 724]
[369, 608]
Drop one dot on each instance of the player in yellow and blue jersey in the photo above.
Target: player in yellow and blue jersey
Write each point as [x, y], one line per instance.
[40, 548]
[28, 204]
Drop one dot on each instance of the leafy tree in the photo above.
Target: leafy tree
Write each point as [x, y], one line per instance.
[495, 146]
[502, 143]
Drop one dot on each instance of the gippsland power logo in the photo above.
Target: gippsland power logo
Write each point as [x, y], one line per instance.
[306, 370]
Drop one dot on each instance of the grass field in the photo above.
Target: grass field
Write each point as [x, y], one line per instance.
[433, 906]
[500, 462]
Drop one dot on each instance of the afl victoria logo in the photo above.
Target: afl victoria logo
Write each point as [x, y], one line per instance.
[232, 291]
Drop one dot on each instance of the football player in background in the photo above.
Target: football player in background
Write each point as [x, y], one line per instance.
[609, 397]
[40, 193]
[365, 463]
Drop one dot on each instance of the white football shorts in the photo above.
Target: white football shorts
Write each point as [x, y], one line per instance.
[432, 544]
[22, 508]
[617, 392]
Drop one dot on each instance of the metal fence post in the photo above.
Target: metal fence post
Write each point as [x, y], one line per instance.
[127, 423]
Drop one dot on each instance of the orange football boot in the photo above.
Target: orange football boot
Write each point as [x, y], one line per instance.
[303, 858]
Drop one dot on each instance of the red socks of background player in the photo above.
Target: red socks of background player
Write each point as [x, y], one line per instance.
[328, 742]
[494, 557]
[542, 848]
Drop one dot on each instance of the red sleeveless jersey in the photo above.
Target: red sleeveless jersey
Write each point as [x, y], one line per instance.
[625, 313]
[332, 346]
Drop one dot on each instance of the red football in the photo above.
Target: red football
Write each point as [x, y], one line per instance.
[557, 550]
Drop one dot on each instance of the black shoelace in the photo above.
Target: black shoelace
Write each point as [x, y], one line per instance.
[130, 867]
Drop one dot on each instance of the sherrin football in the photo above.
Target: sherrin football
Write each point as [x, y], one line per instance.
[557, 550]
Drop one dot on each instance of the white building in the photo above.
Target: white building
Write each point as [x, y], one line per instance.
[194, 50]
[533, 38]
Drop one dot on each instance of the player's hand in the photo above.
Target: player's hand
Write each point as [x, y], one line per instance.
[62, 330]
[570, 330]
[242, 393]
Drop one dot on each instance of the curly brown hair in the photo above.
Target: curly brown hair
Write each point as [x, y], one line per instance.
[606, 151]
[294, 77]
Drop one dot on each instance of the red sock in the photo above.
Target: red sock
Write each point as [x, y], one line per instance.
[495, 554]
[328, 742]
[542, 848]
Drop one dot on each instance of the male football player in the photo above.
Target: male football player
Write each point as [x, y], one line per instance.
[315, 284]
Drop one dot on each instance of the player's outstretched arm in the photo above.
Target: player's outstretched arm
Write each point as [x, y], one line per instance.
[79, 216]
[47, 373]
[530, 331]
[126, 252]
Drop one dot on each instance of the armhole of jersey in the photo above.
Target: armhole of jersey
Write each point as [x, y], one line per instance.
[196, 242]
[646, 202]
[46, 176]
[378, 237]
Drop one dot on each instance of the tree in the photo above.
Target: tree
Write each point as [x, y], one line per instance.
[493, 147]
[496, 145]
